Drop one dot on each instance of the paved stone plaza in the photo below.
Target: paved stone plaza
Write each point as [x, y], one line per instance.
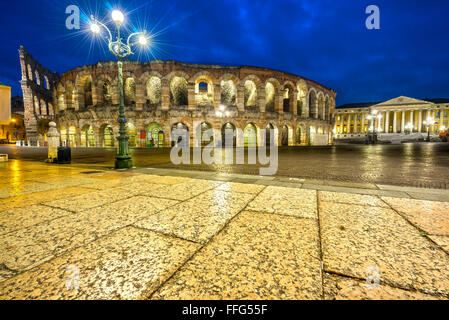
[173, 234]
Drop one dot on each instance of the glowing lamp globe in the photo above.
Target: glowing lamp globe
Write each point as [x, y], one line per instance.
[143, 41]
[117, 16]
[95, 28]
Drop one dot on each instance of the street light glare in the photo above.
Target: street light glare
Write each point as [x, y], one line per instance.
[95, 28]
[143, 41]
[117, 16]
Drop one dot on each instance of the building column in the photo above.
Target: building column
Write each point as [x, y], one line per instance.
[412, 120]
[363, 121]
[387, 122]
[420, 121]
[240, 98]
[395, 121]
[356, 122]
[261, 95]
[403, 121]
[191, 96]
[348, 124]
[165, 95]
[441, 123]
[217, 96]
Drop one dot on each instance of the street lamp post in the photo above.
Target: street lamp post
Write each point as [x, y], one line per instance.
[120, 50]
[428, 123]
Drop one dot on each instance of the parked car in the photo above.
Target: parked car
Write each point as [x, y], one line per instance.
[4, 141]
[444, 136]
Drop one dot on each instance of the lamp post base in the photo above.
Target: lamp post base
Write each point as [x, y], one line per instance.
[124, 162]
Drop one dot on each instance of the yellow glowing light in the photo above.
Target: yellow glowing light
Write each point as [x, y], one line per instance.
[95, 28]
[13, 120]
[117, 16]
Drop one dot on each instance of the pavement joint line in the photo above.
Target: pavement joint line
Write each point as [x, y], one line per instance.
[320, 242]
[421, 231]
[203, 245]
[387, 283]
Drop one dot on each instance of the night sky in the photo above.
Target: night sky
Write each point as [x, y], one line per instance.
[323, 40]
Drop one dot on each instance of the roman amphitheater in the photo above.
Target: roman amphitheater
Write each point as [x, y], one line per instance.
[161, 96]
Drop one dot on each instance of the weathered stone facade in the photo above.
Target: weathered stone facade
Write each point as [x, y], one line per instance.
[38, 84]
[162, 95]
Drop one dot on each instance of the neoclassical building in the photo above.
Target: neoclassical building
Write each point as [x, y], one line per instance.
[399, 116]
[161, 96]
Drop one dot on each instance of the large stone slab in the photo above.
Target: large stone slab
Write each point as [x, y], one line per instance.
[431, 216]
[357, 238]
[128, 264]
[257, 256]
[287, 201]
[200, 218]
[361, 199]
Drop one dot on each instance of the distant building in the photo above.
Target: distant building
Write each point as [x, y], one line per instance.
[13, 129]
[392, 118]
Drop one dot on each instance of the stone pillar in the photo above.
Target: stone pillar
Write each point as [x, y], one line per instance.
[217, 96]
[412, 120]
[441, 122]
[387, 122]
[395, 122]
[261, 96]
[356, 122]
[165, 94]
[53, 138]
[95, 98]
[420, 121]
[278, 102]
[294, 104]
[403, 121]
[240, 98]
[348, 128]
[191, 96]
[363, 121]
[140, 96]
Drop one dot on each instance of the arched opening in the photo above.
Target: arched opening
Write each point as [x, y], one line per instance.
[250, 94]
[321, 107]
[43, 107]
[228, 93]
[298, 135]
[72, 137]
[130, 91]
[204, 91]
[270, 93]
[250, 135]
[178, 92]
[184, 137]
[131, 132]
[313, 107]
[301, 104]
[288, 99]
[108, 136]
[63, 132]
[207, 134]
[228, 135]
[107, 92]
[284, 136]
[153, 88]
[37, 78]
[155, 136]
[30, 73]
[270, 135]
[47, 83]
[87, 136]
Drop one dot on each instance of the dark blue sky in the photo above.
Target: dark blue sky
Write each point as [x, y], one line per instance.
[324, 40]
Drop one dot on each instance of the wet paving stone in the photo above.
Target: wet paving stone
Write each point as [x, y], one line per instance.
[356, 239]
[127, 264]
[257, 256]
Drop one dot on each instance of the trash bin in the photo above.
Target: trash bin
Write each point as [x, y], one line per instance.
[64, 155]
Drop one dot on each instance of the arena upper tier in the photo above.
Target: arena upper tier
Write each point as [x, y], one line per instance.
[161, 96]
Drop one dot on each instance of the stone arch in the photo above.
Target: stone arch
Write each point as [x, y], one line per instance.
[72, 136]
[250, 135]
[321, 106]
[107, 138]
[46, 83]
[60, 97]
[37, 77]
[104, 89]
[129, 89]
[179, 91]
[228, 91]
[83, 85]
[229, 135]
[270, 135]
[131, 132]
[205, 126]
[302, 106]
[37, 108]
[69, 95]
[204, 88]
[327, 108]
[155, 135]
[87, 136]
[300, 132]
[153, 89]
[186, 134]
[313, 104]
[272, 87]
[288, 94]
[250, 95]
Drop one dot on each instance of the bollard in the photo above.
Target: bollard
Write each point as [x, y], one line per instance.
[53, 143]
